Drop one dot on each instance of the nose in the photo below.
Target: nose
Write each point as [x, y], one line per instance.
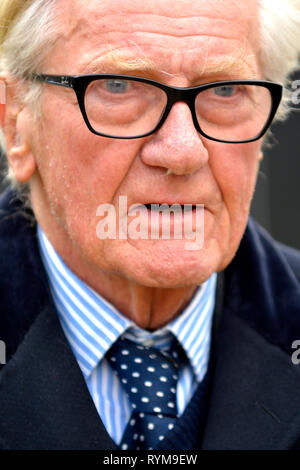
[176, 146]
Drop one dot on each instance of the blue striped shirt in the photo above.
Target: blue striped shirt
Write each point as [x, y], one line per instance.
[92, 325]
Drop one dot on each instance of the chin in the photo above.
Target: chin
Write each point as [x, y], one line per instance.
[167, 264]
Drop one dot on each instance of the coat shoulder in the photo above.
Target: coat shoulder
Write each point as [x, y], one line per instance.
[263, 286]
[292, 256]
[24, 289]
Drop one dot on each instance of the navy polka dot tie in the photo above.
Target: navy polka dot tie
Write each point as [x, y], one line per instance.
[149, 377]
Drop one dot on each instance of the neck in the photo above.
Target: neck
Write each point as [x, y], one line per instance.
[150, 308]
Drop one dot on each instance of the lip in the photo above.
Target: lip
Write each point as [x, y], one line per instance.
[154, 196]
[168, 203]
[163, 207]
[156, 207]
[178, 211]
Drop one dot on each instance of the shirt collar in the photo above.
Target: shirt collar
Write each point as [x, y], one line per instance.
[92, 324]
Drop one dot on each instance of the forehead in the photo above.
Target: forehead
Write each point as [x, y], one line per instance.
[170, 36]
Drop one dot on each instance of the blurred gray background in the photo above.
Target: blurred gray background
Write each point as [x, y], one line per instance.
[276, 203]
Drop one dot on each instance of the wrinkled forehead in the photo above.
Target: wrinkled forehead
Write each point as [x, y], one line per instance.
[152, 34]
[79, 12]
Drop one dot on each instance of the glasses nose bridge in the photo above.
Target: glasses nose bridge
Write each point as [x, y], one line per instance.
[183, 95]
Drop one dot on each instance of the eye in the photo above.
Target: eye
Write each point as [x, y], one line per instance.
[225, 91]
[117, 86]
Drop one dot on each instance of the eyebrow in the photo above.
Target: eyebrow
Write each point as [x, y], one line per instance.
[236, 67]
[116, 61]
[122, 61]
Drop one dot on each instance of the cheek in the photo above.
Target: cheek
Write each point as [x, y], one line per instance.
[78, 167]
[76, 161]
[235, 170]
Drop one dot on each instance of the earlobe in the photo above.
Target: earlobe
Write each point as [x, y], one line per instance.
[21, 160]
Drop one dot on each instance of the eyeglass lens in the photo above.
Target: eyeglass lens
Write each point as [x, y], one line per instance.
[129, 108]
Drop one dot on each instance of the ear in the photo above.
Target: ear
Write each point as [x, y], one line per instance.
[17, 121]
[2, 102]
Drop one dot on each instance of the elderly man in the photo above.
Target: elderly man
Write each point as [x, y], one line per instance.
[131, 339]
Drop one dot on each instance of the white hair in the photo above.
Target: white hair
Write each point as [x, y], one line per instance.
[280, 44]
[28, 30]
[280, 34]
[27, 33]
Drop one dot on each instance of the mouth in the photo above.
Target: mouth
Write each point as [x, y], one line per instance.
[164, 207]
[163, 221]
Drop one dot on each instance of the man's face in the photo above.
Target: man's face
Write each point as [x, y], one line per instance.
[187, 43]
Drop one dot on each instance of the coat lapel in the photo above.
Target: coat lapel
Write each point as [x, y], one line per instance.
[254, 402]
[44, 401]
[255, 393]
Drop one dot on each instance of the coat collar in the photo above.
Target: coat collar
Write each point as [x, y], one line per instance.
[44, 401]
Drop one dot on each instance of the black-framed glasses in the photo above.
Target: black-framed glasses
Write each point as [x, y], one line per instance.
[127, 107]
